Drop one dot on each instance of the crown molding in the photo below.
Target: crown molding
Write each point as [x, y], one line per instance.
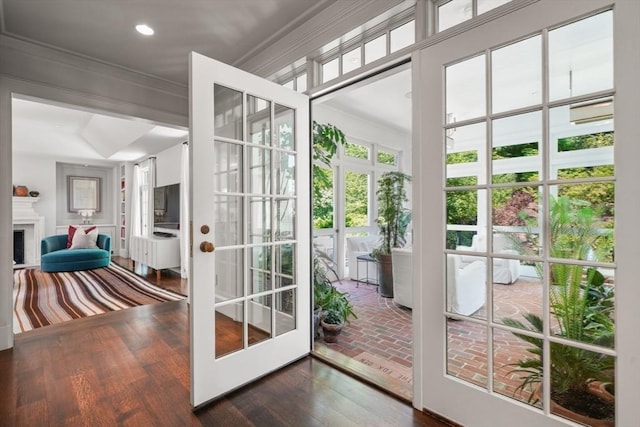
[328, 24]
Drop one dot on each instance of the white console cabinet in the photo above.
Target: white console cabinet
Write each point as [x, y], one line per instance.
[156, 252]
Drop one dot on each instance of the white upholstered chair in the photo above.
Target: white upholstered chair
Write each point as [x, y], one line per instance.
[362, 245]
[466, 285]
[505, 271]
[402, 277]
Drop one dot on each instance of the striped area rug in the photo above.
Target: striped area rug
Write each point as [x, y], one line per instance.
[42, 299]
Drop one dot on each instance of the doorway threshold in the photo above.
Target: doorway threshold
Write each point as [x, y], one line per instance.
[377, 376]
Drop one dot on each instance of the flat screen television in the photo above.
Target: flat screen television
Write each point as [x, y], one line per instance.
[166, 207]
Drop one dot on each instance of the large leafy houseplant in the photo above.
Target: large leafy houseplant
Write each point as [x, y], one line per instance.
[393, 220]
[581, 305]
[332, 306]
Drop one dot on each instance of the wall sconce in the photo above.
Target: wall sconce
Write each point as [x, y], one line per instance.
[86, 215]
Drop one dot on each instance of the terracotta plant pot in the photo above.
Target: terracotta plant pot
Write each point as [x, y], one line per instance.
[331, 331]
[595, 389]
[21, 191]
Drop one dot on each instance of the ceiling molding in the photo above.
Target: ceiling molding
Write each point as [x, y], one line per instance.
[87, 63]
[328, 24]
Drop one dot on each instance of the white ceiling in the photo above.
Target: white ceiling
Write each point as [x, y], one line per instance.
[384, 99]
[226, 30]
[47, 130]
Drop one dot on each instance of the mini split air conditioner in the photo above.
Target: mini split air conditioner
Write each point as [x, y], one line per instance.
[592, 111]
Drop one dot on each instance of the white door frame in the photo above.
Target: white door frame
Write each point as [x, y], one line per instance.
[445, 395]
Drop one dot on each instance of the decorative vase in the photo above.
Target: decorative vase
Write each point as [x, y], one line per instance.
[21, 191]
[385, 275]
[331, 331]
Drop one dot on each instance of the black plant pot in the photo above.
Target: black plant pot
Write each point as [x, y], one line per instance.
[385, 275]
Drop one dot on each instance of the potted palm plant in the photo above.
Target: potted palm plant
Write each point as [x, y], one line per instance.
[582, 305]
[393, 219]
[337, 310]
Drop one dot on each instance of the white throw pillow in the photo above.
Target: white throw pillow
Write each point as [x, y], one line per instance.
[85, 239]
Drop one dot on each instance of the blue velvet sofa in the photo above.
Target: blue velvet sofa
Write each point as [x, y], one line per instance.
[56, 257]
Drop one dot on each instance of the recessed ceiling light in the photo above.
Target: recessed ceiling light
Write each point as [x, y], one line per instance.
[144, 29]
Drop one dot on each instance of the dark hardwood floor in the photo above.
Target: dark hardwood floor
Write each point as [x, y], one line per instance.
[131, 368]
[169, 279]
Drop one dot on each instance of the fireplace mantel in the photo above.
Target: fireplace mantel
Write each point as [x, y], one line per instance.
[23, 208]
[26, 218]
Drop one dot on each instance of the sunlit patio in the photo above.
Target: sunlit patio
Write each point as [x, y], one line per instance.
[378, 344]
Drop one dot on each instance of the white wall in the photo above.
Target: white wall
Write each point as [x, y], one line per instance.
[168, 164]
[38, 174]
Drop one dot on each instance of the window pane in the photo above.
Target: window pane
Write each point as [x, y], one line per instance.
[581, 57]
[228, 167]
[454, 12]
[570, 360]
[516, 72]
[229, 224]
[516, 228]
[466, 208]
[330, 70]
[467, 285]
[516, 148]
[259, 269]
[356, 150]
[467, 351]
[259, 220]
[386, 158]
[258, 120]
[285, 311]
[259, 314]
[259, 171]
[487, 5]
[402, 36]
[322, 197]
[288, 84]
[301, 82]
[466, 90]
[229, 320]
[465, 154]
[375, 49]
[285, 173]
[227, 111]
[229, 274]
[581, 140]
[357, 199]
[285, 127]
[509, 350]
[352, 60]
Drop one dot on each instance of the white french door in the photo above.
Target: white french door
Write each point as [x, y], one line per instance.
[250, 281]
[516, 118]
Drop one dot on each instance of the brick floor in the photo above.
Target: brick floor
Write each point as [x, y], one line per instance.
[383, 330]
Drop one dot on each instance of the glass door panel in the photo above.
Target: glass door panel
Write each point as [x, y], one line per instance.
[531, 230]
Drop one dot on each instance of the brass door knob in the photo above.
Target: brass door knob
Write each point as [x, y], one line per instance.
[207, 247]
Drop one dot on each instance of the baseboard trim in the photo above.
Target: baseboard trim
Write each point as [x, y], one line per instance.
[6, 337]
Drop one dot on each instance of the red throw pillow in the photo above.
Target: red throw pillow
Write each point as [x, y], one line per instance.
[72, 231]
